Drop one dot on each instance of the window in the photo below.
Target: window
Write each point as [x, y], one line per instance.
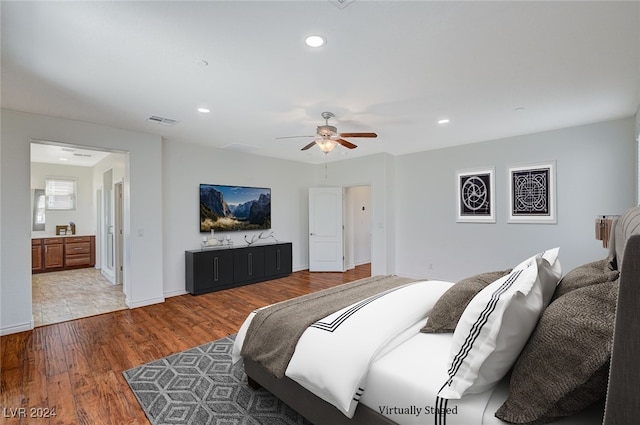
[61, 194]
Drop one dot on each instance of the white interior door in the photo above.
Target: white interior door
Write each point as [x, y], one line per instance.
[326, 239]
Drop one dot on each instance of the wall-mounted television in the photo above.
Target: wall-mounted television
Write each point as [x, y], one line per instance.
[234, 208]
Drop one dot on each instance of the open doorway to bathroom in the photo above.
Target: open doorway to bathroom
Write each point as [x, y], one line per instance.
[84, 290]
[357, 225]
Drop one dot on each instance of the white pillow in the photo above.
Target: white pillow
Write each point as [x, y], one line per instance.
[497, 323]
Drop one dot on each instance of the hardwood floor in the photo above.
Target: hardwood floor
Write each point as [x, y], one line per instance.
[74, 369]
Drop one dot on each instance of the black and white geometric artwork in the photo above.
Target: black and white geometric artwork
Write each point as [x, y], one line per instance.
[532, 193]
[476, 197]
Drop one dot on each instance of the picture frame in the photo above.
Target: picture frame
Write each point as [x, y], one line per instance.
[475, 189]
[532, 193]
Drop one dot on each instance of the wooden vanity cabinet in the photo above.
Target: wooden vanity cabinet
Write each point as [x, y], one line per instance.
[36, 255]
[78, 251]
[53, 253]
[62, 253]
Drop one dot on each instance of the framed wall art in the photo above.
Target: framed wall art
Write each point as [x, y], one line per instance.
[532, 193]
[476, 195]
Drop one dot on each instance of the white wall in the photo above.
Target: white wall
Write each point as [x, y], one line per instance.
[84, 214]
[143, 222]
[596, 171]
[186, 166]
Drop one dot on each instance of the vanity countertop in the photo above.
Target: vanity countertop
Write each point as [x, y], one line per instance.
[80, 235]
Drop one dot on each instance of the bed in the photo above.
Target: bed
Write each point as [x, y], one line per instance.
[525, 345]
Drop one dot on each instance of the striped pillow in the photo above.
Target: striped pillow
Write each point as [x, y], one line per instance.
[497, 323]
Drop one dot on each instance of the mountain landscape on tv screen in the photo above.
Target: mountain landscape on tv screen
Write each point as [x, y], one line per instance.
[244, 208]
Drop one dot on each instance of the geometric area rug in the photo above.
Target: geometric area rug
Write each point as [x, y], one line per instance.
[202, 386]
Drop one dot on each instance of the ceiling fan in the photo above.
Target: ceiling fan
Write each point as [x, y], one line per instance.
[327, 136]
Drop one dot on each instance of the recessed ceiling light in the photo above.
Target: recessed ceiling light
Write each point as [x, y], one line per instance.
[63, 159]
[314, 41]
[204, 110]
[444, 121]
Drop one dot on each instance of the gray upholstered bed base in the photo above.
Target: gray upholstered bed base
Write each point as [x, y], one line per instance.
[308, 404]
[623, 397]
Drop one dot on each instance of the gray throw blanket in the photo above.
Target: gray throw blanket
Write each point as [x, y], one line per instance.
[274, 332]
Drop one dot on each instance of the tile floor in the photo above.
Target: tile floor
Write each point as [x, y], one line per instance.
[67, 295]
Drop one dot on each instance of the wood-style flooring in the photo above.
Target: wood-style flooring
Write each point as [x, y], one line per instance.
[74, 369]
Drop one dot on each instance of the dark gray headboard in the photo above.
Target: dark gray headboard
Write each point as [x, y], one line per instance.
[623, 401]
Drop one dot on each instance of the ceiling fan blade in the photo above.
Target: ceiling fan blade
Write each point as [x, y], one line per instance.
[310, 145]
[358, 135]
[292, 137]
[346, 144]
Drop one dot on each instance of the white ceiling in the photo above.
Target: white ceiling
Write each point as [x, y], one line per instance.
[495, 69]
[49, 153]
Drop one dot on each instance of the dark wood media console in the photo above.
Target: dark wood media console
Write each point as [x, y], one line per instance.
[214, 269]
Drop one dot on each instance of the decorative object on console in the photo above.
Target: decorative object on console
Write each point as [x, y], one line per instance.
[532, 193]
[232, 208]
[476, 196]
[256, 238]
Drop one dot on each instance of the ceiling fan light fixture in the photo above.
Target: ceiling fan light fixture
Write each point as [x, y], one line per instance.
[314, 41]
[326, 145]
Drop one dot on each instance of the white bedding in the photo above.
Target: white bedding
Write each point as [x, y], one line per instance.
[409, 377]
[333, 356]
[400, 368]
[404, 383]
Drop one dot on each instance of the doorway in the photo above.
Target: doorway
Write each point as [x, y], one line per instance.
[358, 230]
[340, 232]
[89, 292]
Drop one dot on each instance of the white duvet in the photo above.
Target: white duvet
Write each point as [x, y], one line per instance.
[333, 356]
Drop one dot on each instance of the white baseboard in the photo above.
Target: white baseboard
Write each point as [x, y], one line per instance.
[175, 293]
[142, 303]
[14, 329]
[110, 277]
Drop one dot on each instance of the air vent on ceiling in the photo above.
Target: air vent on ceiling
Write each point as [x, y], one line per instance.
[162, 120]
[341, 4]
[83, 155]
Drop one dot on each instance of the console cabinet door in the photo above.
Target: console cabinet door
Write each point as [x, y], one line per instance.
[208, 270]
[248, 264]
[277, 259]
